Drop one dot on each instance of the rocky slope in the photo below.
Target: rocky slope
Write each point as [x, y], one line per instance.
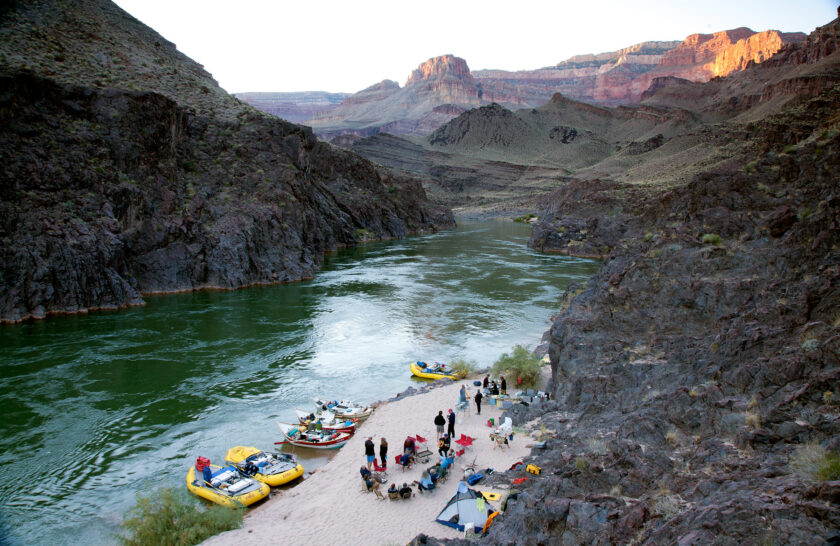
[295, 107]
[126, 170]
[695, 377]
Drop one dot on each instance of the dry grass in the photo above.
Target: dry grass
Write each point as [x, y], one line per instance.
[815, 462]
[752, 419]
[581, 463]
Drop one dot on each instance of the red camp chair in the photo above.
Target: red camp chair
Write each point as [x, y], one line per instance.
[421, 440]
[464, 441]
[377, 468]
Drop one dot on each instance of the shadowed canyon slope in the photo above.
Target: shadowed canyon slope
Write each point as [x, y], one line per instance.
[127, 170]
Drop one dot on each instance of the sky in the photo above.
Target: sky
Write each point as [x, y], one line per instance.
[347, 45]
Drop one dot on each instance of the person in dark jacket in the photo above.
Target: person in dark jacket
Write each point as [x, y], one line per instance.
[383, 451]
[370, 452]
[486, 381]
[451, 428]
[443, 445]
[440, 422]
[504, 385]
[478, 397]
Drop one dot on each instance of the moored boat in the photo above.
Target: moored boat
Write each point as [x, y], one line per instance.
[228, 486]
[431, 371]
[273, 469]
[297, 435]
[325, 420]
[343, 409]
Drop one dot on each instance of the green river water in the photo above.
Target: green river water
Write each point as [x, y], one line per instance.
[98, 407]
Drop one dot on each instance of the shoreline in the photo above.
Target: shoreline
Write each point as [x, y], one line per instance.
[330, 502]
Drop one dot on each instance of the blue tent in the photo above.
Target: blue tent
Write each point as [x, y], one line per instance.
[466, 506]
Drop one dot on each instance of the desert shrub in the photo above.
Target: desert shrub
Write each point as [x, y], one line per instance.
[521, 365]
[816, 462]
[581, 463]
[810, 345]
[170, 516]
[666, 505]
[525, 219]
[463, 368]
[752, 419]
[711, 239]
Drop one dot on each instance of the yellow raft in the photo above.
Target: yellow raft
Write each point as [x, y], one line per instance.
[418, 370]
[229, 487]
[274, 468]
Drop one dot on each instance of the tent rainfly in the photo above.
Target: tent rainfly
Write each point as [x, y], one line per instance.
[466, 506]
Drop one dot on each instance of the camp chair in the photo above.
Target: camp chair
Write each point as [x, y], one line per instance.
[460, 453]
[420, 440]
[374, 487]
[469, 469]
[464, 441]
[442, 473]
[397, 460]
[381, 470]
[499, 440]
[394, 495]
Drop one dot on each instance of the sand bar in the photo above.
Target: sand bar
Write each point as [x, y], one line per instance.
[329, 507]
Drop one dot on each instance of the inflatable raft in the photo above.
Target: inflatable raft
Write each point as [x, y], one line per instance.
[421, 369]
[273, 469]
[228, 487]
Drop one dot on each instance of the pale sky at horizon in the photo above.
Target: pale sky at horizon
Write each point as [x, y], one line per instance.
[344, 46]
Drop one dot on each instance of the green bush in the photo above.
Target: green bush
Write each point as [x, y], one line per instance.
[711, 239]
[815, 462]
[462, 368]
[520, 364]
[171, 517]
[525, 219]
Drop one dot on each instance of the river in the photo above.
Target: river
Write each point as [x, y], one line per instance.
[97, 407]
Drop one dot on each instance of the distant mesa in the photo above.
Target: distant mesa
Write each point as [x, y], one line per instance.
[443, 87]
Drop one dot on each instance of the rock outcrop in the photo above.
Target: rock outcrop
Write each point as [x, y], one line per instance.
[621, 77]
[434, 92]
[126, 170]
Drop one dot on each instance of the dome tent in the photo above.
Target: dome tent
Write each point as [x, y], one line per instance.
[466, 506]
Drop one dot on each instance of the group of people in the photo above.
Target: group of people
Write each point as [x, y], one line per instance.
[445, 427]
[370, 452]
[492, 387]
[441, 421]
[403, 492]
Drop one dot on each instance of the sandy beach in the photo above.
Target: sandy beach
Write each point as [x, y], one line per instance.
[330, 506]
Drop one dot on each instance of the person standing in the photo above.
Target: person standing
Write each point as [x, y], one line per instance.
[383, 451]
[486, 381]
[440, 422]
[478, 397]
[504, 385]
[462, 395]
[451, 429]
[370, 453]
